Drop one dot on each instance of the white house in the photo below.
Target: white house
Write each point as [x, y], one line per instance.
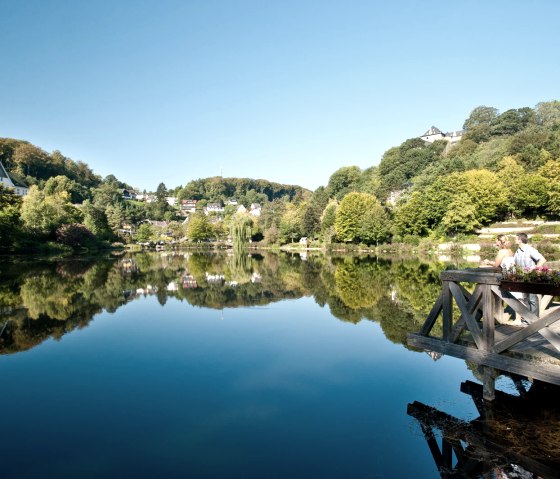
[255, 209]
[20, 188]
[434, 134]
[171, 200]
[213, 208]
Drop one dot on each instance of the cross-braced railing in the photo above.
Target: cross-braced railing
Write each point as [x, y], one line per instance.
[473, 336]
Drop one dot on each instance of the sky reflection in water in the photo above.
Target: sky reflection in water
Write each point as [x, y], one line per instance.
[282, 390]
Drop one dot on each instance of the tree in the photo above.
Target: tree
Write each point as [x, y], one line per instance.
[512, 121]
[479, 123]
[360, 217]
[343, 180]
[481, 115]
[43, 214]
[61, 183]
[551, 173]
[199, 228]
[145, 233]
[95, 220]
[161, 192]
[411, 218]
[548, 113]
[241, 229]
[291, 224]
[327, 220]
[376, 226]
[10, 206]
[460, 215]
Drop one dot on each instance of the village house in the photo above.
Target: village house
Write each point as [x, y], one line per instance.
[255, 209]
[213, 208]
[171, 200]
[188, 206]
[128, 194]
[19, 187]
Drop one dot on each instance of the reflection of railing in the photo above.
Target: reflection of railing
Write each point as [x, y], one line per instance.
[531, 350]
[514, 434]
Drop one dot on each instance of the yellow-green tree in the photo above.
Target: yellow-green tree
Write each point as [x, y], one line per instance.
[43, 214]
[361, 218]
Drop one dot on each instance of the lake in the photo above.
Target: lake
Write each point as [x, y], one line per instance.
[239, 366]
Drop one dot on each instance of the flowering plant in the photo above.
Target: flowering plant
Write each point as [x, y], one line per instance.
[538, 274]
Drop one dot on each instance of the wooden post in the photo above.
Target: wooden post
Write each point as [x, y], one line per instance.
[447, 311]
[488, 319]
[489, 384]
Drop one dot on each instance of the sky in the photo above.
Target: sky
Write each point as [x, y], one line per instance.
[289, 91]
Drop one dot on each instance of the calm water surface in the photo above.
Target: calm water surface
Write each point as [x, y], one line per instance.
[216, 366]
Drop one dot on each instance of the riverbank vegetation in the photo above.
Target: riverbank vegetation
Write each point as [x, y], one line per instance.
[506, 166]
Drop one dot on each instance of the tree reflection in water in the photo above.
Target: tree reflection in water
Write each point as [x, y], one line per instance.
[39, 300]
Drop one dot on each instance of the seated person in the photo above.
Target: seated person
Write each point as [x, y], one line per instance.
[504, 257]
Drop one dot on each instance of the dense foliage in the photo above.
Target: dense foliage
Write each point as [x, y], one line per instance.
[506, 165]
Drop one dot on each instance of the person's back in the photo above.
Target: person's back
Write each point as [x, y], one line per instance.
[526, 256]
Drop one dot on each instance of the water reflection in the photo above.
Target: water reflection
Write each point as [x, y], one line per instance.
[40, 300]
[515, 436]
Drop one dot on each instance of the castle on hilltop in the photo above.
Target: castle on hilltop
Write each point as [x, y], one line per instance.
[435, 133]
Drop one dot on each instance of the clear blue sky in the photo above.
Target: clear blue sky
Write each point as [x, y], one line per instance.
[286, 90]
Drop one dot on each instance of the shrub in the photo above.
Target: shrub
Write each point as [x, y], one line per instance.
[75, 235]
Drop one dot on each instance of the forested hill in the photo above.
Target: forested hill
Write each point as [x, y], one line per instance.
[33, 165]
[244, 190]
[528, 136]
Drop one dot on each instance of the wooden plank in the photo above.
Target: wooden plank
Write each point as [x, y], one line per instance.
[489, 384]
[545, 302]
[527, 331]
[480, 276]
[432, 316]
[488, 318]
[515, 304]
[447, 310]
[472, 306]
[546, 372]
[472, 324]
[550, 335]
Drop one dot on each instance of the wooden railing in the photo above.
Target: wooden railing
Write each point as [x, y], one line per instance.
[473, 335]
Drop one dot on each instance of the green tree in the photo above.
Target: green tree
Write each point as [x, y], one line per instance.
[43, 214]
[291, 224]
[145, 233]
[199, 228]
[376, 226]
[460, 215]
[96, 220]
[10, 206]
[343, 180]
[411, 217]
[481, 115]
[328, 217]
[360, 218]
[241, 228]
[551, 173]
[61, 183]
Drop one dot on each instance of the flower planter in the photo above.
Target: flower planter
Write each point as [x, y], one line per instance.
[526, 287]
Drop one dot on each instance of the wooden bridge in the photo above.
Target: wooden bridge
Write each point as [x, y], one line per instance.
[481, 333]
